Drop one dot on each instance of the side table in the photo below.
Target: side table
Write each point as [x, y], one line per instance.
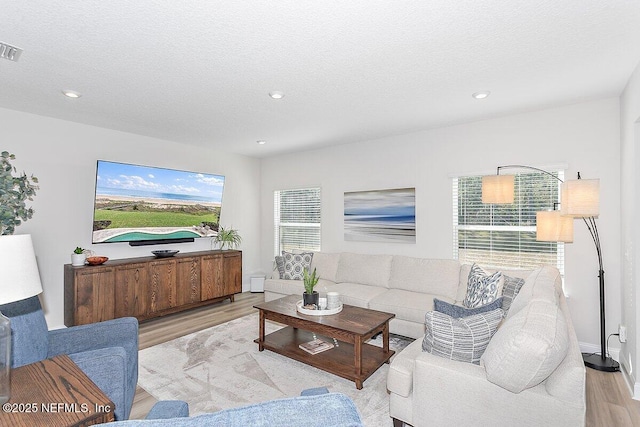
[54, 392]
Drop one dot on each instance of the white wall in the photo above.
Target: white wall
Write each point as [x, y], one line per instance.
[630, 207]
[583, 136]
[63, 156]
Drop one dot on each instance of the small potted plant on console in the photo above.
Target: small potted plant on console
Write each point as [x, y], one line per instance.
[78, 257]
[310, 297]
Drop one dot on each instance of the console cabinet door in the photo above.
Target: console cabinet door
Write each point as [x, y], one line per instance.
[132, 290]
[232, 273]
[212, 277]
[188, 280]
[162, 282]
[94, 295]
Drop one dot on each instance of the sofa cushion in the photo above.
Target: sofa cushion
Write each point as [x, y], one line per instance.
[510, 290]
[294, 287]
[326, 264]
[457, 311]
[357, 294]
[464, 339]
[528, 347]
[294, 264]
[482, 287]
[431, 276]
[407, 305]
[543, 283]
[365, 269]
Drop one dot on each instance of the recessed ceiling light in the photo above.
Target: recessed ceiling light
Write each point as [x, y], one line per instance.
[261, 142]
[482, 94]
[71, 94]
[276, 94]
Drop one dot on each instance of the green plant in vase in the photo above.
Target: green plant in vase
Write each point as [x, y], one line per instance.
[78, 257]
[310, 297]
[227, 238]
[14, 192]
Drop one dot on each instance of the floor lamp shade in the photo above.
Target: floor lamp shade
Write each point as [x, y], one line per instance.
[553, 227]
[580, 198]
[498, 189]
[20, 276]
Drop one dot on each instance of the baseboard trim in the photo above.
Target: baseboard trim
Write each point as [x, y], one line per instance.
[593, 348]
[632, 385]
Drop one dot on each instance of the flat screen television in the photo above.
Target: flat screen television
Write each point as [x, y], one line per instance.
[145, 205]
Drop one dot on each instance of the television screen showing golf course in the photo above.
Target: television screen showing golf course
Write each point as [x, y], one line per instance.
[134, 203]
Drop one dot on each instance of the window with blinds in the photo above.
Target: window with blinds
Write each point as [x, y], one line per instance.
[296, 220]
[504, 236]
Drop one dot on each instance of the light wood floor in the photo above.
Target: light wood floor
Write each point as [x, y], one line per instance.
[608, 399]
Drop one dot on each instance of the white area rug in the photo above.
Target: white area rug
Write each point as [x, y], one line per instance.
[221, 367]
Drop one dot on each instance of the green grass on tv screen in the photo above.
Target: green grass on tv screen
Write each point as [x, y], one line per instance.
[132, 219]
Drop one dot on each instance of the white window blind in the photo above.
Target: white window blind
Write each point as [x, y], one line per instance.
[504, 236]
[296, 220]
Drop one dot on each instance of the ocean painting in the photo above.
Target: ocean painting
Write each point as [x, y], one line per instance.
[380, 215]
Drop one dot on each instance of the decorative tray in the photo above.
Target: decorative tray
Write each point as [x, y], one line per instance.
[303, 310]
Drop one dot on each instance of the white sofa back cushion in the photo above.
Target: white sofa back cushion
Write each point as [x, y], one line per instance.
[543, 283]
[364, 269]
[326, 264]
[527, 347]
[430, 276]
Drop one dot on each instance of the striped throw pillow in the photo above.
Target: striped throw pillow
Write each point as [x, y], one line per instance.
[512, 286]
[463, 339]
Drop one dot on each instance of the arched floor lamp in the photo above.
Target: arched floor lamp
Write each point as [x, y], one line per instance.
[580, 198]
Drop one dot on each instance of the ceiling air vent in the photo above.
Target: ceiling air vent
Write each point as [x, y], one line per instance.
[9, 52]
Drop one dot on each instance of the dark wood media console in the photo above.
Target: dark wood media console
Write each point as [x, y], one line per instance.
[149, 287]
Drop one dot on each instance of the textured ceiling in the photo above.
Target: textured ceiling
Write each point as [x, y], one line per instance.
[199, 72]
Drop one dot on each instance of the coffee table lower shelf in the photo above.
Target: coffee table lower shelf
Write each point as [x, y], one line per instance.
[338, 360]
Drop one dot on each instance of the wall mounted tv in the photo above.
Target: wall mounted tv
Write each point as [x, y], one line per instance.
[145, 205]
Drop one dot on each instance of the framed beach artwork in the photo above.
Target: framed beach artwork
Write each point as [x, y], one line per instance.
[380, 215]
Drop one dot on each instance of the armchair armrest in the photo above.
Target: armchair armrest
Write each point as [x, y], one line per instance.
[122, 332]
[166, 409]
[107, 368]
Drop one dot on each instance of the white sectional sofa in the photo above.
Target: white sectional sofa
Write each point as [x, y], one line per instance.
[531, 373]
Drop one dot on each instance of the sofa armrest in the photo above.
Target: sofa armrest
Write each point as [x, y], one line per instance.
[447, 392]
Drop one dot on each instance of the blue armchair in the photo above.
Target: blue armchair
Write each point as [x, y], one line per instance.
[106, 351]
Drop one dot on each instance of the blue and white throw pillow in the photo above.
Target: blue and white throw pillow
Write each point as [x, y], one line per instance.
[463, 339]
[482, 287]
[457, 311]
[294, 264]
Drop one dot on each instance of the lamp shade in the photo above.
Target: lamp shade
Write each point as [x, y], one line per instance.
[497, 189]
[20, 276]
[580, 198]
[551, 226]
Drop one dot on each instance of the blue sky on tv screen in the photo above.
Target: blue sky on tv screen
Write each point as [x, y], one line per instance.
[119, 179]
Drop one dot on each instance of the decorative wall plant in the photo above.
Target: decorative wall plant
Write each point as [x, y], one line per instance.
[14, 192]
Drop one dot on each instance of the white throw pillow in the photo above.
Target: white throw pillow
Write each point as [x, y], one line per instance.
[528, 347]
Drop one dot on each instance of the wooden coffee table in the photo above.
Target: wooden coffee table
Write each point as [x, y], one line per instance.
[352, 359]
